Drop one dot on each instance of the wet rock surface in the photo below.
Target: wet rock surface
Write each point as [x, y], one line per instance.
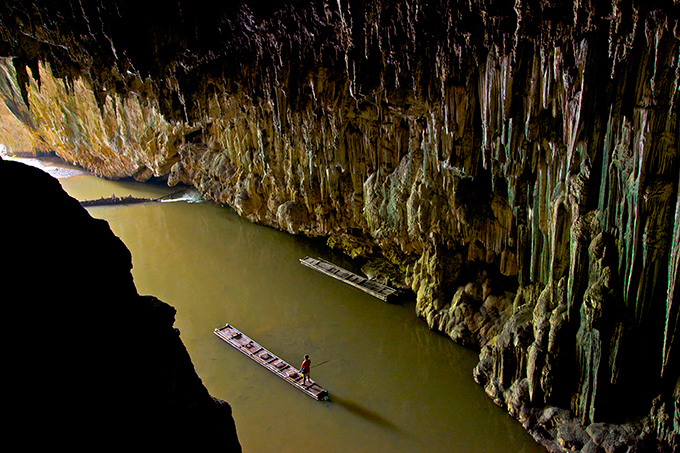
[517, 164]
[90, 363]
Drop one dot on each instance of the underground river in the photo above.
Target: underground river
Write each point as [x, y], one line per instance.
[395, 386]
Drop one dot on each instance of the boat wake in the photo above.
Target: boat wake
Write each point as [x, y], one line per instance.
[188, 196]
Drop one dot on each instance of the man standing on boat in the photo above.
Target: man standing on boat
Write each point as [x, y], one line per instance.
[304, 369]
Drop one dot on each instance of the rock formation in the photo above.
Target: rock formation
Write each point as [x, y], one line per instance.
[91, 363]
[517, 163]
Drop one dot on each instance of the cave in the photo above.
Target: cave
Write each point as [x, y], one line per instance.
[516, 166]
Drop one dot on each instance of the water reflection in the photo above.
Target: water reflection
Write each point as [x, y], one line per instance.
[364, 413]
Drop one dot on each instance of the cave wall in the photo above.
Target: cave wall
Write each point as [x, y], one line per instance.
[517, 163]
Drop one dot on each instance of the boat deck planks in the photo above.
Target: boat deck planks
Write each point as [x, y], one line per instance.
[239, 341]
[375, 289]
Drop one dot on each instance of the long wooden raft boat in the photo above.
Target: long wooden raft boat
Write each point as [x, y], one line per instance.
[371, 287]
[239, 341]
[114, 200]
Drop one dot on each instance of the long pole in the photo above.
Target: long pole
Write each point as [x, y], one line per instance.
[319, 364]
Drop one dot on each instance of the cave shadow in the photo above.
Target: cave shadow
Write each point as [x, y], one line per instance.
[364, 413]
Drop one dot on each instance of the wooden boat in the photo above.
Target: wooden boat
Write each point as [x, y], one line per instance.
[375, 289]
[114, 200]
[265, 358]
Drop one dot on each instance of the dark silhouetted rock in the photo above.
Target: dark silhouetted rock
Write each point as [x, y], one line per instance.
[89, 363]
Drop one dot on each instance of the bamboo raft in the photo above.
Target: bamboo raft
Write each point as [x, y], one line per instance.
[265, 358]
[114, 200]
[375, 289]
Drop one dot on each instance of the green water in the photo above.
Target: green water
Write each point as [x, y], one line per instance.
[395, 386]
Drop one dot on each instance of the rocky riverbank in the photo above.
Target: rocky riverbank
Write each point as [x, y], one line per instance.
[515, 165]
